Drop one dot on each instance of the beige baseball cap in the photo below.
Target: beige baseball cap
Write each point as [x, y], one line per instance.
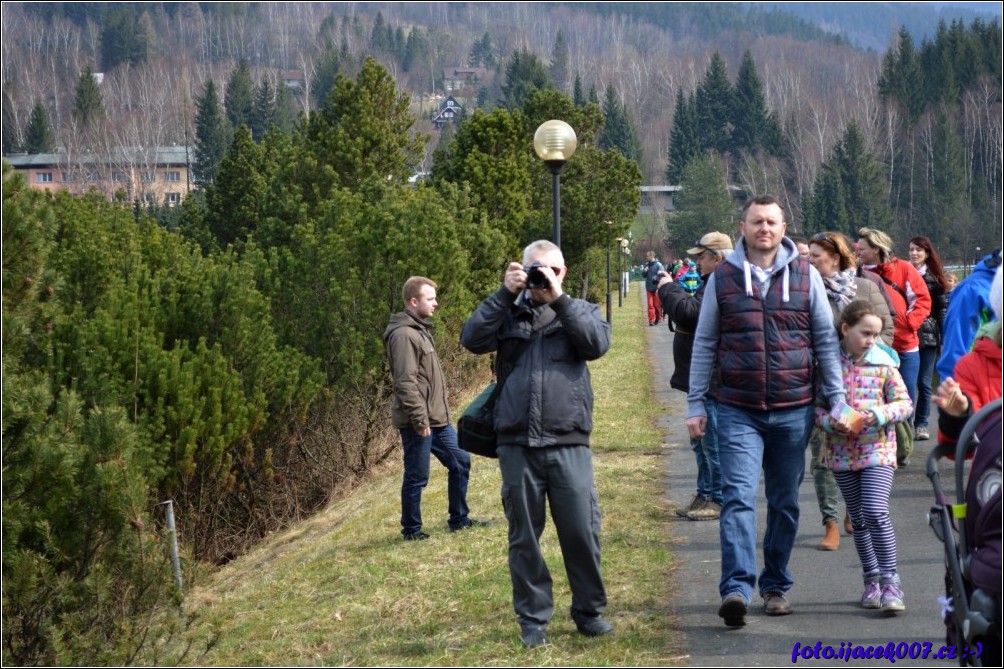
[713, 241]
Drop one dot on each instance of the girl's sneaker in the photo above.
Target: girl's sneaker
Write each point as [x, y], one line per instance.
[872, 597]
[892, 597]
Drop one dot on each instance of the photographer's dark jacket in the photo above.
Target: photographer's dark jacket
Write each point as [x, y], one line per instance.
[932, 327]
[682, 311]
[420, 398]
[547, 399]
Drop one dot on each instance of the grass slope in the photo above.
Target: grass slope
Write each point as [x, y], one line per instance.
[343, 589]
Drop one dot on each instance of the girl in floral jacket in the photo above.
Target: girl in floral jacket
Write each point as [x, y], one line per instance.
[860, 448]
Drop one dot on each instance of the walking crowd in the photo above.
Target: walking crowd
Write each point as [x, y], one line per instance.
[779, 345]
[828, 343]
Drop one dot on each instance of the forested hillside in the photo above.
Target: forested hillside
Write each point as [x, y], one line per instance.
[226, 353]
[633, 59]
[869, 25]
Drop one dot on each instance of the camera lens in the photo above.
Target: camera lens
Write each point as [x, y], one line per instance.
[536, 279]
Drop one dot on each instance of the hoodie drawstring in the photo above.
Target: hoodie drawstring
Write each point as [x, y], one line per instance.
[785, 281]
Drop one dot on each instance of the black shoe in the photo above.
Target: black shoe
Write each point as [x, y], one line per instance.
[534, 636]
[470, 522]
[416, 536]
[733, 610]
[594, 626]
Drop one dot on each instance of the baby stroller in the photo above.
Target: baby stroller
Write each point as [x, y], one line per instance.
[973, 615]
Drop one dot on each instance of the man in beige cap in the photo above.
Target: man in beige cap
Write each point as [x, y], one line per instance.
[681, 310]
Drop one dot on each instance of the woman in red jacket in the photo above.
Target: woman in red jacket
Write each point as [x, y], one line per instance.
[909, 295]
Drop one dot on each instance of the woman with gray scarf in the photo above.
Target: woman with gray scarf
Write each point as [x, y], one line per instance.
[831, 254]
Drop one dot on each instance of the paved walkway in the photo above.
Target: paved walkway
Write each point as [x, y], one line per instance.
[827, 584]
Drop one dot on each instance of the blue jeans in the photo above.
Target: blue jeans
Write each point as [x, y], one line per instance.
[749, 441]
[925, 379]
[909, 369]
[443, 444]
[709, 471]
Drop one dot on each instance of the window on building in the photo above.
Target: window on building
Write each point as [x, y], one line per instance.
[172, 198]
[43, 177]
[172, 176]
[119, 176]
[147, 177]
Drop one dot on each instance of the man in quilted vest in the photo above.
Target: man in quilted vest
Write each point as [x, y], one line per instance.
[767, 320]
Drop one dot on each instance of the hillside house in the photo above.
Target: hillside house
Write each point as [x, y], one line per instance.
[459, 78]
[448, 112]
[154, 176]
[294, 81]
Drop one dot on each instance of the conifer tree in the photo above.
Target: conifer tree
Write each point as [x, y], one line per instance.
[285, 110]
[524, 73]
[263, 111]
[559, 62]
[399, 43]
[362, 133]
[88, 106]
[235, 199]
[684, 140]
[578, 97]
[378, 36]
[704, 203]
[826, 208]
[38, 135]
[715, 107]
[755, 128]
[851, 191]
[211, 136]
[947, 188]
[415, 49]
[324, 78]
[482, 52]
[239, 97]
[902, 78]
[618, 131]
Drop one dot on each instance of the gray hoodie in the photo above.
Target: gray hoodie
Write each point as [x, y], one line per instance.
[824, 336]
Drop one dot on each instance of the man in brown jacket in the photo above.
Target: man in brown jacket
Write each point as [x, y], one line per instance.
[421, 412]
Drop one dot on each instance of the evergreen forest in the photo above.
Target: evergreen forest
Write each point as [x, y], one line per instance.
[226, 353]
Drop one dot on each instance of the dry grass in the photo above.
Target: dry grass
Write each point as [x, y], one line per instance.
[343, 589]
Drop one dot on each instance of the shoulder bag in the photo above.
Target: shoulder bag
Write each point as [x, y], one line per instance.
[476, 427]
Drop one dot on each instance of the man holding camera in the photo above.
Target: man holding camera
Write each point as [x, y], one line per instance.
[543, 418]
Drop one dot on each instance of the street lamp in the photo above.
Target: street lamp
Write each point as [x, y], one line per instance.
[554, 142]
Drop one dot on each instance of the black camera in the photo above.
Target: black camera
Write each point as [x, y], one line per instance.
[535, 279]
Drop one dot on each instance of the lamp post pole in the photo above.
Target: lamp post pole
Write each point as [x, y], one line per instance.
[620, 273]
[609, 294]
[554, 142]
[556, 166]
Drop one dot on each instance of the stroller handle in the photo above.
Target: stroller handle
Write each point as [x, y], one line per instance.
[963, 444]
